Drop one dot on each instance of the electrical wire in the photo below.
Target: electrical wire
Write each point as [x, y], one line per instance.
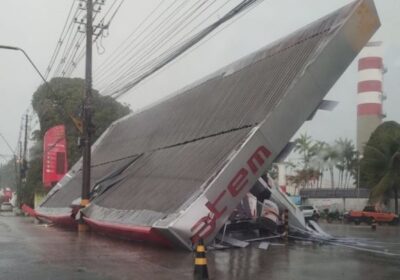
[60, 40]
[100, 27]
[153, 47]
[118, 53]
[146, 36]
[146, 62]
[71, 42]
[242, 6]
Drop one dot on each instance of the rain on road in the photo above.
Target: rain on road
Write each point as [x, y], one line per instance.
[32, 251]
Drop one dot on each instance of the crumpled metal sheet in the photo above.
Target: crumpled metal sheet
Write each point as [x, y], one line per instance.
[186, 140]
[72, 190]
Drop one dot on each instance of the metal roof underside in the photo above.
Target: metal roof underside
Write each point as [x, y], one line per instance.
[180, 143]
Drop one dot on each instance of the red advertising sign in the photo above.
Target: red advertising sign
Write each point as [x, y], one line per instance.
[54, 156]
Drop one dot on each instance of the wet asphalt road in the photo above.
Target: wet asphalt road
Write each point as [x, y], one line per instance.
[30, 251]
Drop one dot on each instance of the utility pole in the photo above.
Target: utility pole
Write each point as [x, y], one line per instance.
[19, 182]
[17, 179]
[22, 163]
[87, 113]
[25, 152]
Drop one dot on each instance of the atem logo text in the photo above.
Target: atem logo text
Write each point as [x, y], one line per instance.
[218, 206]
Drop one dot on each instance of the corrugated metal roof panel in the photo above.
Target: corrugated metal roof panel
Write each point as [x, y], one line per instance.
[186, 140]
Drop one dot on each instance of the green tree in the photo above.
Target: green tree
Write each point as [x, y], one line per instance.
[56, 107]
[346, 158]
[380, 165]
[305, 147]
[318, 157]
[8, 175]
[351, 162]
[319, 161]
[330, 157]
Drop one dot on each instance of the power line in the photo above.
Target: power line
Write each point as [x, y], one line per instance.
[67, 47]
[59, 42]
[139, 68]
[144, 38]
[152, 45]
[8, 144]
[242, 6]
[99, 29]
[152, 55]
[114, 14]
[65, 33]
[116, 55]
[71, 58]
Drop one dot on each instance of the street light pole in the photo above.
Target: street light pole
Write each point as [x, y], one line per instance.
[17, 162]
[87, 107]
[27, 56]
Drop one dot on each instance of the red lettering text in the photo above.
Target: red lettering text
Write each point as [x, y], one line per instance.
[258, 157]
[203, 228]
[206, 225]
[213, 206]
[238, 182]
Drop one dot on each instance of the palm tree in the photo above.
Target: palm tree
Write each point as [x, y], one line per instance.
[351, 160]
[346, 158]
[318, 161]
[330, 156]
[340, 160]
[303, 145]
[309, 174]
[380, 166]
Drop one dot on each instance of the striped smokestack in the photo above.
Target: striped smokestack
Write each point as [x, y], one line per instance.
[370, 92]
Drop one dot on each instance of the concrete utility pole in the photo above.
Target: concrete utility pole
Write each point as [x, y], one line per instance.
[25, 152]
[19, 182]
[87, 113]
[23, 163]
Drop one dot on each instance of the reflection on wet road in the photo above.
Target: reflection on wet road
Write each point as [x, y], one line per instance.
[29, 251]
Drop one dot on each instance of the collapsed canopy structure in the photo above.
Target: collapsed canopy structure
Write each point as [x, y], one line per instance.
[174, 172]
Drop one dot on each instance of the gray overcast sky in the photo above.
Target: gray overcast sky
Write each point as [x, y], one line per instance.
[36, 25]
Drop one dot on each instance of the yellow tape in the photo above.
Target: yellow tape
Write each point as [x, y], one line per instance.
[200, 249]
[200, 261]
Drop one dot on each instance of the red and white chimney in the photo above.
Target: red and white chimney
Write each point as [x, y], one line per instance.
[369, 92]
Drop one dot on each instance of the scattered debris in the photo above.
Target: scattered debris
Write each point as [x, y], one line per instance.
[264, 245]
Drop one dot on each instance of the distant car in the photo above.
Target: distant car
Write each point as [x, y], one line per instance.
[310, 212]
[6, 206]
[370, 214]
